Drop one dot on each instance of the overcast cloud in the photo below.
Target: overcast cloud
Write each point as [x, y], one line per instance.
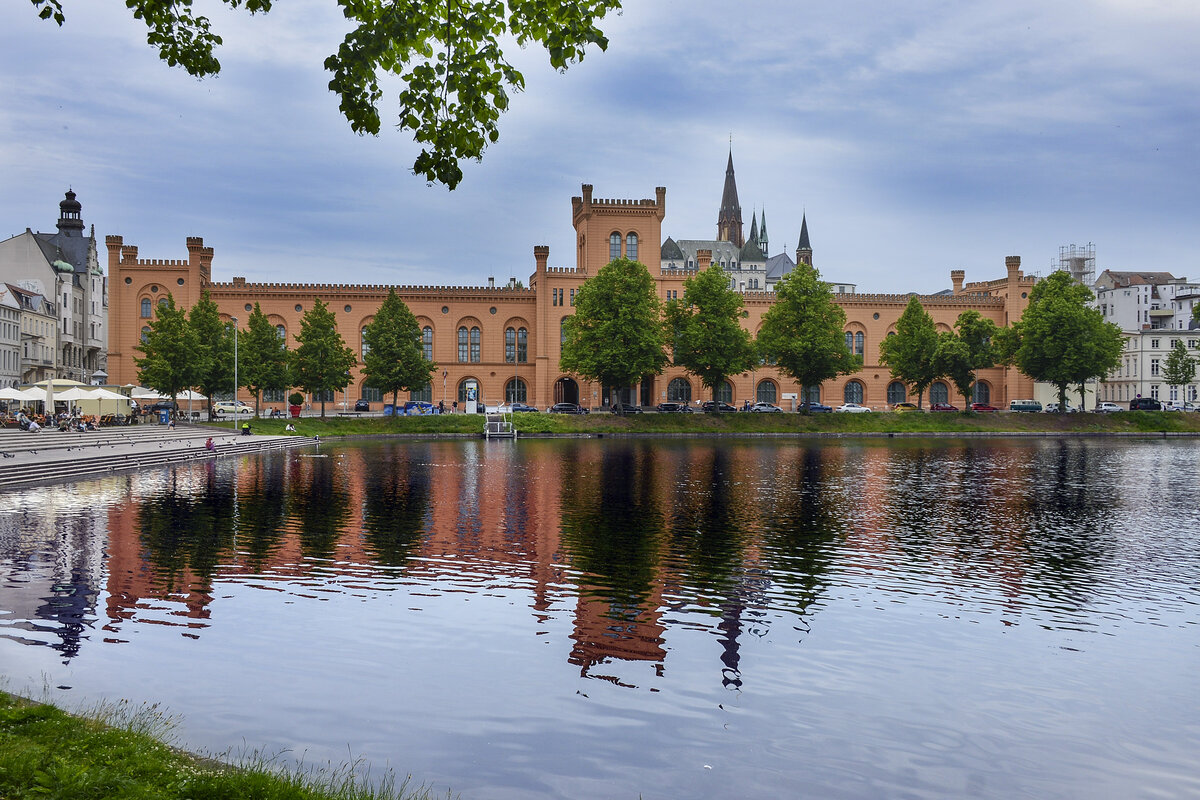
[918, 137]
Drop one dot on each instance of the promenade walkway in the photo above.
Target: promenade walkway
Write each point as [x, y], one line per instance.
[51, 456]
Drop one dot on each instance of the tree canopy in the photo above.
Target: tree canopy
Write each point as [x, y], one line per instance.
[802, 331]
[1179, 368]
[262, 357]
[910, 353]
[705, 329]
[1061, 339]
[394, 359]
[169, 351]
[322, 362]
[447, 56]
[615, 336]
[961, 353]
[214, 350]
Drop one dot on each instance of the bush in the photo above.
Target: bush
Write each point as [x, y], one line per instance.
[295, 399]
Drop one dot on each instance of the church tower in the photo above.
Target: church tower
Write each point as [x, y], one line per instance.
[729, 218]
[803, 248]
[70, 216]
[763, 244]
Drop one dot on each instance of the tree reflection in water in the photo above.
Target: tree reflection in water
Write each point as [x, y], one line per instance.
[396, 507]
[318, 504]
[262, 509]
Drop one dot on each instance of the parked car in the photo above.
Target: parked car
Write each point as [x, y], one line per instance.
[673, 408]
[362, 405]
[1025, 405]
[521, 408]
[942, 407]
[1052, 408]
[162, 405]
[905, 408]
[565, 408]
[625, 409]
[717, 407]
[983, 408]
[814, 408]
[1107, 408]
[766, 408]
[1144, 404]
[852, 408]
[228, 407]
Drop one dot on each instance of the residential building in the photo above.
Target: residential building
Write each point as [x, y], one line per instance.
[10, 338]
[39, 331]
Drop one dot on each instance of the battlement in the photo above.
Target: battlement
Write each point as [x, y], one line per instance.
[562, 270]
[241, 285]
[616, 202]
[968, 298]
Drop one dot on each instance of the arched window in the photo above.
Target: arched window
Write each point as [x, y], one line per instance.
[463, 385]
[368, 393]
[983, 393]
[724, 392]
[614, 246]
[850, 341]
[510, 345]
[162, 301]
[897, 393]
[366, 348]
[281, 331]
[145, 334]
[427, 343]
[475, 345]
[147, 308]
[562, 331]
[939, 393]
[462, 344]
[860, 344]
[767, 392]
[424, 394]
[514, 391]
[853, 393]
[810, 394]
[679, 391]
[523, 345]
[631, 243]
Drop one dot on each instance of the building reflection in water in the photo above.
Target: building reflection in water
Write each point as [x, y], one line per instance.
[633, 539]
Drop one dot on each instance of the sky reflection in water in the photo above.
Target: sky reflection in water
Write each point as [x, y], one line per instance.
[609, 619]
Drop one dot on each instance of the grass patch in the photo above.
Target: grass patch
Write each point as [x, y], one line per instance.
[120, 751]
[741, 423]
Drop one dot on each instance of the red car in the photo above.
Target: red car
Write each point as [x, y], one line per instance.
[983, 407]
[942, 407]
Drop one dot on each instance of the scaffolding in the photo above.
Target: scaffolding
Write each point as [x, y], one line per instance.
[1079, 262]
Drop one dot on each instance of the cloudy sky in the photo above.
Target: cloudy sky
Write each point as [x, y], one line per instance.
[918, 137]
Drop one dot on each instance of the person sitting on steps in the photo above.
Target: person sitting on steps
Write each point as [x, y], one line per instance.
[246, 428]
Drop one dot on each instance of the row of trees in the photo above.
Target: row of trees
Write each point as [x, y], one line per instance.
[195, 349]
[621, 331]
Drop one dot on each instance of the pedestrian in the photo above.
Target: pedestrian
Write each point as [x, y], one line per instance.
[441, 406]
[290, 427]
[246, 428]
[210, 445]
[455, 408]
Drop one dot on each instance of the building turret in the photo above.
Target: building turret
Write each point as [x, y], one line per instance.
[762, 235]
[729, 218]
[803, 248]
[70, 216]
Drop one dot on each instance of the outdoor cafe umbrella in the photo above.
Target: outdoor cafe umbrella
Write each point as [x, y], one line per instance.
[105, 394]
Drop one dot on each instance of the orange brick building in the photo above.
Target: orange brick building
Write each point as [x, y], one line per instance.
[506, 339]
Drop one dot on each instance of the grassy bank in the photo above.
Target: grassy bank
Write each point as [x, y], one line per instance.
[113, 752]
[741, 423]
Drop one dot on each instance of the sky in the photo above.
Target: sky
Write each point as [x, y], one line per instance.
[916, 137]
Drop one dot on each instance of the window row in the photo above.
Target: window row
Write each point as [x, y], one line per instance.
[614, 246]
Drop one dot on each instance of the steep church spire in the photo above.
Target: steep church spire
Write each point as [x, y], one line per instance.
[762, 234]
[729, 218]
[803, 248]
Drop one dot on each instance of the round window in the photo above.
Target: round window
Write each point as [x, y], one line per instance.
[299, 308]
[445, 309]
[153, 288]
[248, 307]
[492, 310]
[179, 281]
[1024, 295]
[347, 309]
[876, 316]
[128, 281]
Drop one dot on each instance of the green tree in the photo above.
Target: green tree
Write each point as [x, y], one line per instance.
[168, 351]
[395, 359]
[706, 333]
[909, 354]
[1179, 368]
[214, 350]
[1061, 339]
[322, 361]
[448, 57]
[961, 353]
[615, 336]
[262, 357]
[802, 331]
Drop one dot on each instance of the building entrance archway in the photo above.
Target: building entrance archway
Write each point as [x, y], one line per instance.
[566, 390]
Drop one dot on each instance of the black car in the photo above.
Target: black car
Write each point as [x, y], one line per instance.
[516, 407]
[673, 408]
[565, 408]
[362, 405]
[624, 409]
[722, 408]
[163, 405]
[1144, 404]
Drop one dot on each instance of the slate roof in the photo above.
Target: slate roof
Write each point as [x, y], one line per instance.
[778, 266]
[670, 250]
[1122, 279]
[803, 243]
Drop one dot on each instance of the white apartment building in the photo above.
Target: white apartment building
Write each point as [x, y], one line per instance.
[10, 339]
[1154, 310]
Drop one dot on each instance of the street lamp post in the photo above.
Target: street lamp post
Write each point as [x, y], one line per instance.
[235, 371]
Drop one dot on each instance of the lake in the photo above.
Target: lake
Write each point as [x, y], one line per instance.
[642, 618]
